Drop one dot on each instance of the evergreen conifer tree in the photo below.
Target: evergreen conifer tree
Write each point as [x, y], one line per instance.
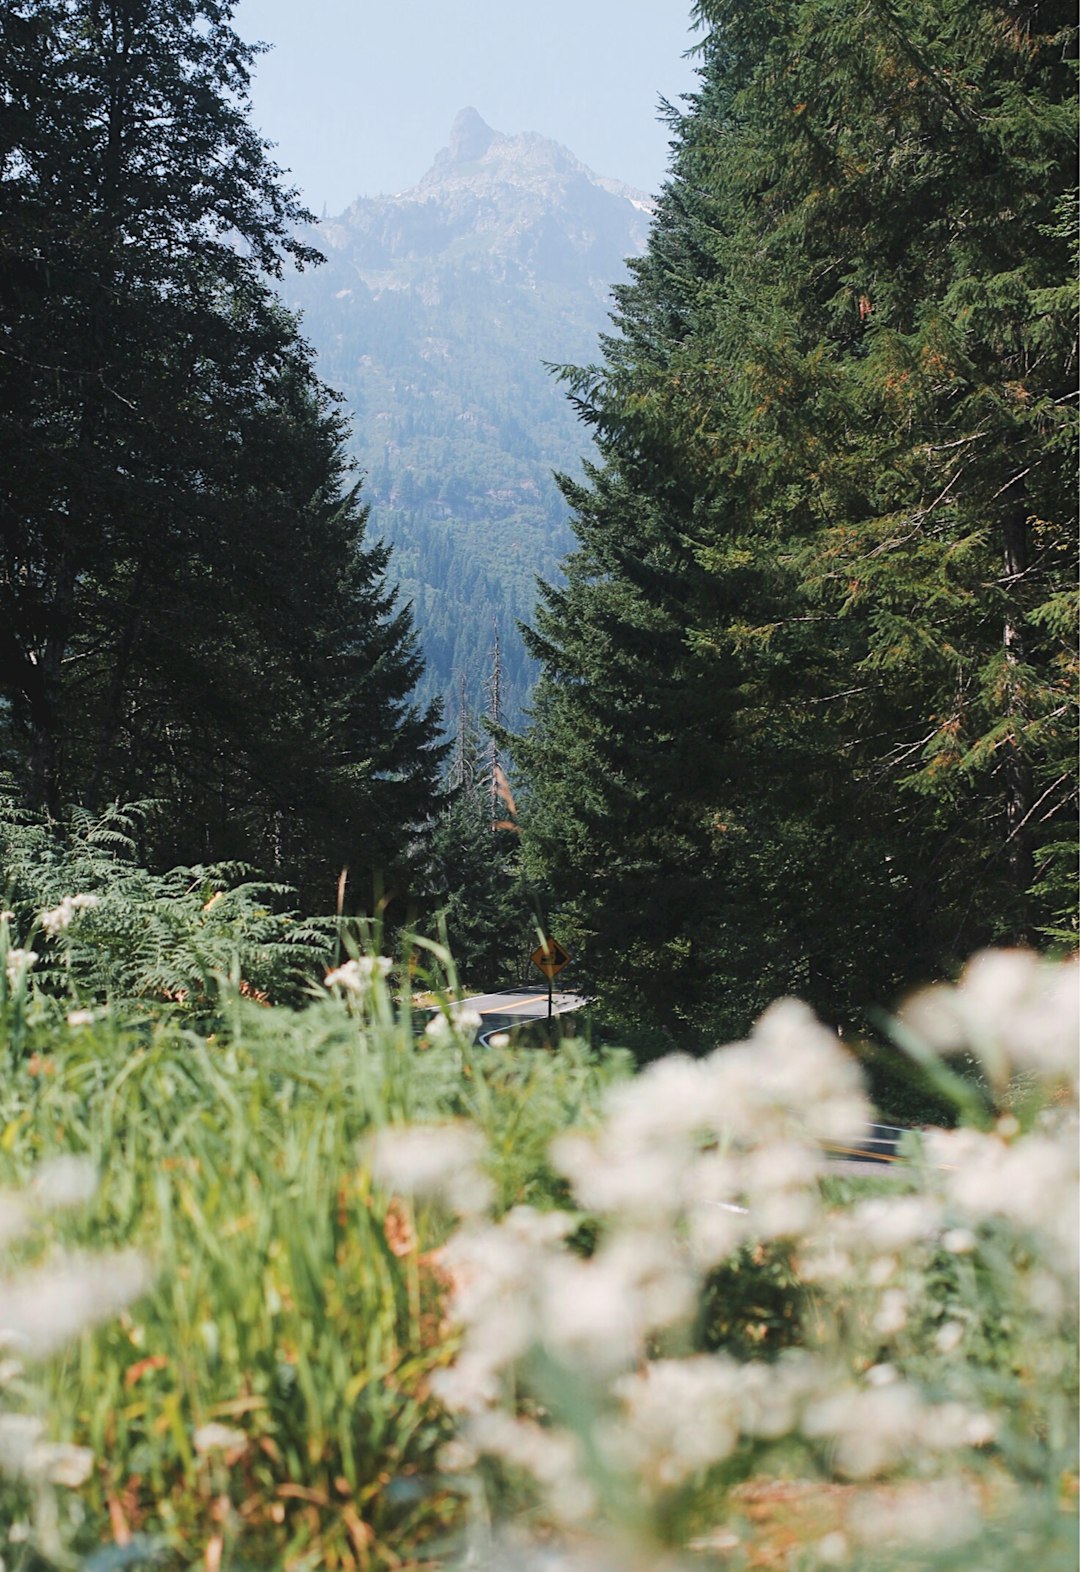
[187, 608]
[805, 716]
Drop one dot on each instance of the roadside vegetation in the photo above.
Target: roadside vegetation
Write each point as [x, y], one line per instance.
[298, 1276]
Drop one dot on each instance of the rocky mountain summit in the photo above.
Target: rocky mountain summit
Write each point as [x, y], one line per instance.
[537, 211]
[435, 314]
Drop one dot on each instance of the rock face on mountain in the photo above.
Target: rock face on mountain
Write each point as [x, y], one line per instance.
[434, 315]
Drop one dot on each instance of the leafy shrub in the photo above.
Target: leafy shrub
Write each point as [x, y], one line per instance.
[104, 929]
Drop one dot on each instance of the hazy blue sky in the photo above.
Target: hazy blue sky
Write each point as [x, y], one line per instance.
[360, 94]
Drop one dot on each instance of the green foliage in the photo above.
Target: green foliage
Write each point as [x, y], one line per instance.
[482, 905]
[806, 717]
[190, 611]
[295, 1303]
[177, 937]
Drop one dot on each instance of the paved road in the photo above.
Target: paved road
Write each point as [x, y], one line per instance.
[525, 1004]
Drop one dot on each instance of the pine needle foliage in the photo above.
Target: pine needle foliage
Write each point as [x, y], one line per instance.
[807, 718]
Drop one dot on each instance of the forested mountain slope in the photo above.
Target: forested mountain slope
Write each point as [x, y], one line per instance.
[434, 315]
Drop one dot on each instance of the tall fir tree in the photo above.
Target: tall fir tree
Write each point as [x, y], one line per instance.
[805, 718]
[188, 609]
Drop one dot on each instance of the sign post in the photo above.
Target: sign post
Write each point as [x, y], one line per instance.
[550, 956]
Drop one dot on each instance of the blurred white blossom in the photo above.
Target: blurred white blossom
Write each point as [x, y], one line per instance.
[44, 1307]
[64, 1181]
[1012, 1008]
[18, 964]
[356, 976]
[25, 1453]
[434, 1160]
[59, 919]
[695, 1160]
[216, 1437]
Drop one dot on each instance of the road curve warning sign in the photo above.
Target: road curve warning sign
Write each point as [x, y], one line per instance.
[550, 957]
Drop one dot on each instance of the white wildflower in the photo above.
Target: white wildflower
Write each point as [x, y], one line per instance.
[495, 1272]
[24, 1453]
[870, 1429]
[771, 1396]
[668, 1100]
[216, 1437]
[833, 1550]
[43, 1308]
[457, 1457]
[499, 1040]
[679, 1416]
[1033, 1182]
[959, 1241]
[553, 1458]
[459, 1019]
[465, 1018]
[64, 1181]
[876, 1426]
[356, 976]
[1014, 1009]
[613, 1173]
[14, 1216]
[1046, 1295]
[891, 1223]
[62, 1464]
[949, 1337]
[19, 1434]
[440, 1160]
[599, 1311]
[60, 918]
[892, 1313]
[80, 1018]
[472, 1383]
[18, 964]
[781, 1187]
[941, 1512]
[715, 1230]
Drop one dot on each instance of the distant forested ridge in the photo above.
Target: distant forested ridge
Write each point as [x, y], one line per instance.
[188, 609]
[807, 713]
[434, 316]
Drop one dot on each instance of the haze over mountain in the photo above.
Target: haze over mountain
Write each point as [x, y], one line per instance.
[434, 315]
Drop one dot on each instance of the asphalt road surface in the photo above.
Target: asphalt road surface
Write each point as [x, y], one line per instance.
[525, 1004]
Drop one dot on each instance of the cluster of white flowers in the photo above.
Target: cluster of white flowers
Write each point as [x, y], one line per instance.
[459, 1020]
[42, 1307]
[356, 976]
[1014, 1010]
[724, 1148]
[436, 1161]
[19, 964]
[697, 1158]
[60, 918]
[26, 1454]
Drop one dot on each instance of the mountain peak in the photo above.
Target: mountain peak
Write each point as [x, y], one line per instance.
[470, 137]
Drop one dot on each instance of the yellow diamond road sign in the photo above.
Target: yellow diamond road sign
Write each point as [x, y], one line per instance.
[550, 957]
